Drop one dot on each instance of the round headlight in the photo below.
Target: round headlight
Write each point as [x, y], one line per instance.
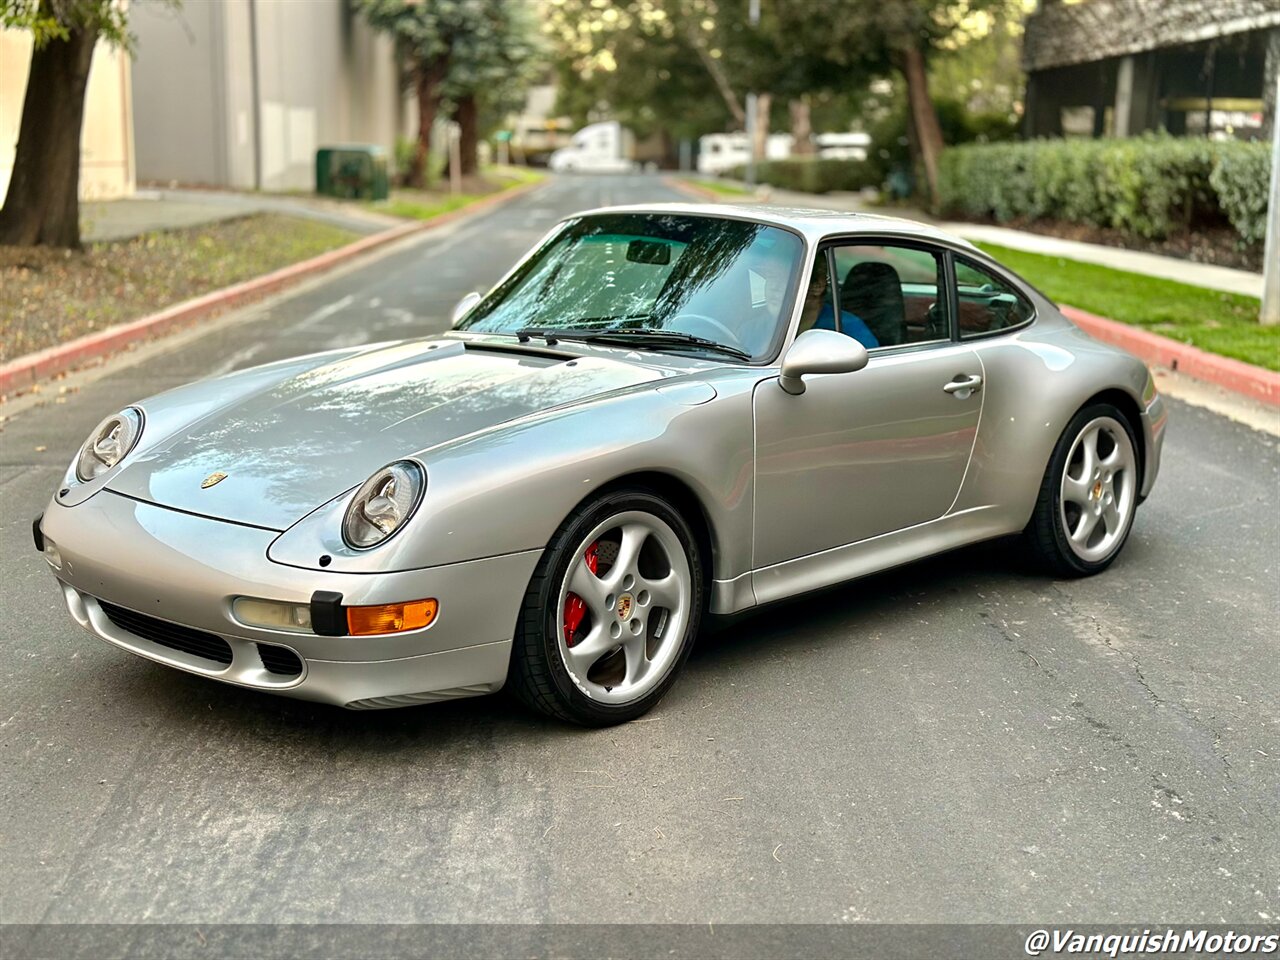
[109, 443]
[383, 504]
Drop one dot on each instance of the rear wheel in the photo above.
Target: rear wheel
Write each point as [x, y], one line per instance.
[611, 611]
[1089, 494]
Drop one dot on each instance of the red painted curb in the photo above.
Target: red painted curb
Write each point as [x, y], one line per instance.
[27, 370]
[1234, 375]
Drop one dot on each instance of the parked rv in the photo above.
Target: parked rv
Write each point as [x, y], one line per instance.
[720, 152]
[598, 148]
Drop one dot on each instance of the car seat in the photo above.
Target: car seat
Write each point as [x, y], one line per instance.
[873, 291]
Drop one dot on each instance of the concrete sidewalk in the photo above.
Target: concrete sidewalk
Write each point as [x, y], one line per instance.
[1211, 277]
[149, 211]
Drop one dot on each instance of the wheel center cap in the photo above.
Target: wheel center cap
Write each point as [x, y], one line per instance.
[625, 605]
[1097, 491]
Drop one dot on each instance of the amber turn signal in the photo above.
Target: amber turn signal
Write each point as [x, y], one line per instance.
[391, 617]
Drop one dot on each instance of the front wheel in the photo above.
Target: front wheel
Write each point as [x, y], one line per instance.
[611, 611]
[1089, 494]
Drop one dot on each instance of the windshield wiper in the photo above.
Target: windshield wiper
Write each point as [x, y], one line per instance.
[640, 336]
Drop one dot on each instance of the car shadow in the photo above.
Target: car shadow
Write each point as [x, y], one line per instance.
[833, 615]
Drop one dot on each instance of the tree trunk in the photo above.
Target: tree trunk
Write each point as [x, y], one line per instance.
[924, 118]
[468, 135]
[43, 203]
[764, 103]
[801, 127]
[427, 78]
[718, 77]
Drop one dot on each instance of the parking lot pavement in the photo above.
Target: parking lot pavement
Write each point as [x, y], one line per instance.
[956, 740]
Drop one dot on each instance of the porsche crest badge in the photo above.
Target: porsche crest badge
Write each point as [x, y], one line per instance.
[212, 480]
[625, 605]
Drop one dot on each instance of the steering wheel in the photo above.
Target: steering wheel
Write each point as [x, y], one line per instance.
[719, 329]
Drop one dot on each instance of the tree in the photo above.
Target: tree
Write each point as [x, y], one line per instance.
[647, 63]
[900, 35]
[652, 63]
[641, 57]
[424, 34]
[42, 206]
[491, 65]
[456, 50]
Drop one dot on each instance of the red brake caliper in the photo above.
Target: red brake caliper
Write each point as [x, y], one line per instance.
[574, 606]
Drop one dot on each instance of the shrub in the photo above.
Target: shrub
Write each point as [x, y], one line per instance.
[889, 151]
[811, 175]
[1240, 179]
[1148, 186]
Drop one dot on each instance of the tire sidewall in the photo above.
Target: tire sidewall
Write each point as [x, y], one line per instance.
[1057, 466]
[563, 551]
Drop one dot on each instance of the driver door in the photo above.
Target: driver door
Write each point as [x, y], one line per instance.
[862, 454]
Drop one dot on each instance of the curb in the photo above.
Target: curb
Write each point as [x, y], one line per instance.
[26, 371]
[1237, 376]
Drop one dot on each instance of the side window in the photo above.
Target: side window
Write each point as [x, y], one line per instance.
[986, 302]
[889, 295]
[818, 309]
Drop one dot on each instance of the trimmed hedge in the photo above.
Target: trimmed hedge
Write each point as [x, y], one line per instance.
[811, 175]
[1150, 186]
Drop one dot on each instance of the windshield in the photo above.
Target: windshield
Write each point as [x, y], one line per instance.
[730, 282]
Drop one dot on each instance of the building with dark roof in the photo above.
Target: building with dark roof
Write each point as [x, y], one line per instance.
[1121, 67]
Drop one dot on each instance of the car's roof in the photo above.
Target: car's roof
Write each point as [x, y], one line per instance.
[814, 224]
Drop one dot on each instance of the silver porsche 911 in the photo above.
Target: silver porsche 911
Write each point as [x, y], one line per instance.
[660, 413]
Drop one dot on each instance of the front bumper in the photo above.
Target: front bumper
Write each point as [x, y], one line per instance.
[188, 570]
[1154, 420]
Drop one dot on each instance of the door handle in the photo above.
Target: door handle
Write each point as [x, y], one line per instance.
[963, 386]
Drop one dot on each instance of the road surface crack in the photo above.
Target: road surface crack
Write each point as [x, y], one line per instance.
[1090, 623]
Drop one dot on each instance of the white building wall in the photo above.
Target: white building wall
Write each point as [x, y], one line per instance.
[106, 138]
[177, 91]
[323, 77]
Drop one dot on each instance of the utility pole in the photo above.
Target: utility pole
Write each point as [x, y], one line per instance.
[753, 17]
[1270, 315]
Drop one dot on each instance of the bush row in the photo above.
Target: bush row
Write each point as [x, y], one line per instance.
[811, 175]
[1150, 186]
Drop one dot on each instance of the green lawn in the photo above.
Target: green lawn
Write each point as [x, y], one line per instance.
[1223, 323]
[722, 187]
[403, 203]
[426, 204]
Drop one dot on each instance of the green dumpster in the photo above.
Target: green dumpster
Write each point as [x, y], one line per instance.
[353, 172]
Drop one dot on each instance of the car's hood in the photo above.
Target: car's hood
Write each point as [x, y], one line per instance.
[294, 446]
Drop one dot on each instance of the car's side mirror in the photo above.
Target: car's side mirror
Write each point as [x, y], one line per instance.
[819, 351]
[464, 307]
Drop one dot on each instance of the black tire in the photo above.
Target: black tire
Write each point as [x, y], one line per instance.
[1045, 535]
[538, 676]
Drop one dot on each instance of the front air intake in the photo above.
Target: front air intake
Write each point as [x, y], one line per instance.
[197, 643]
[279, 660]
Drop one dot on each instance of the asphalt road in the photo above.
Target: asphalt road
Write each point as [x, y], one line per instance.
[959, 740]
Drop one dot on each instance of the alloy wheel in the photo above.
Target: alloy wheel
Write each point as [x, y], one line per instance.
[1099, 489]
[623, 607]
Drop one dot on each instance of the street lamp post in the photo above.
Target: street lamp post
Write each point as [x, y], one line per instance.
[753, 17]
[1270, 315]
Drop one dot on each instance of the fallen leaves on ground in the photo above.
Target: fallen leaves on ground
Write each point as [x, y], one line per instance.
[50, 296]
